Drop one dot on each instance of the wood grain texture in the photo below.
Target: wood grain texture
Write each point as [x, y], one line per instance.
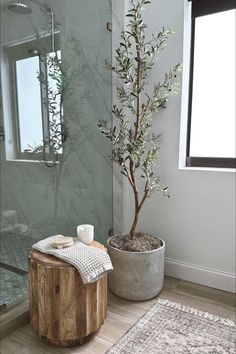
[63, 310]
[122, 315]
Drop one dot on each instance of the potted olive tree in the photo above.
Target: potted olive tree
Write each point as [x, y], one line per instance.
[138, 258]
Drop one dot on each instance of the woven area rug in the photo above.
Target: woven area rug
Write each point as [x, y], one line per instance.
[170, 328]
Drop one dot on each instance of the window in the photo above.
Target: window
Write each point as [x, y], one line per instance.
[28, 103]
[211, 122]
[36, 90]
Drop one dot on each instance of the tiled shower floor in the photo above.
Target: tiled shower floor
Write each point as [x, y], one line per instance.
[13, 286]
[14, 250]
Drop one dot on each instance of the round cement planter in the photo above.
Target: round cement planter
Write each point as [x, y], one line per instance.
[137, 275]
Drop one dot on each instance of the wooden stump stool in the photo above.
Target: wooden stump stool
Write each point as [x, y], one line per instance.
[63, 310]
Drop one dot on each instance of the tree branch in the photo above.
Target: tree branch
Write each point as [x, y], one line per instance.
[145, 195]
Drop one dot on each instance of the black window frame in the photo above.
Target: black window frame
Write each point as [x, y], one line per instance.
[202, 8]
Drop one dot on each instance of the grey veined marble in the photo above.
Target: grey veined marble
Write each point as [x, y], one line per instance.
[78, 189]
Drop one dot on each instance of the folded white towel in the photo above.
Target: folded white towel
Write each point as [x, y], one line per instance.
[91, 262]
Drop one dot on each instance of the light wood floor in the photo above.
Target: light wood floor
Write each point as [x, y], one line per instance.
[122, 315]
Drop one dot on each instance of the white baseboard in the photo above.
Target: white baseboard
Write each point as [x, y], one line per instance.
[197, 274]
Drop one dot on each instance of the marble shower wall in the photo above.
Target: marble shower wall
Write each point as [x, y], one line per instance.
[79, 188]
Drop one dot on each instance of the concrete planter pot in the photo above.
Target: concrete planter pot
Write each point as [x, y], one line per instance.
[137, 275]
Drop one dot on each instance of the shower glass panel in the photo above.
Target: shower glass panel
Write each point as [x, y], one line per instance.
[55, 167]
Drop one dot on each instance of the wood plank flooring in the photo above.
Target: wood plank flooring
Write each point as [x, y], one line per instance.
[122, 315]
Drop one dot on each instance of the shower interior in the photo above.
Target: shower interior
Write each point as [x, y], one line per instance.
[16, 239]
[18, 230]
[15, 246]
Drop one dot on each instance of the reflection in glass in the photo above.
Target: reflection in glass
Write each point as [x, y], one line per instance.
[61, 191]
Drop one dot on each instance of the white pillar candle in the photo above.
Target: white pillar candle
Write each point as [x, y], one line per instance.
[85, 233]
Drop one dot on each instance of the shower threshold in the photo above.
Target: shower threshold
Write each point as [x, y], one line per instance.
[14, 317]
[13, 269]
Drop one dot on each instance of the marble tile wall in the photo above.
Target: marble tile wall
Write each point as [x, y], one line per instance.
[79, 189]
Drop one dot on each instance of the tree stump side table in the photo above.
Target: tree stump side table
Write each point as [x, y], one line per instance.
[63, 310]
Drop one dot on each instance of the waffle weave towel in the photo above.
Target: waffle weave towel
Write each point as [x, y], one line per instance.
[91, 262]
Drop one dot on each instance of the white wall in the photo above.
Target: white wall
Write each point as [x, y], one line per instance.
[198, 222]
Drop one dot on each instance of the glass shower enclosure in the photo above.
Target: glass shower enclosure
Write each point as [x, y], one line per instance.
[55, 167]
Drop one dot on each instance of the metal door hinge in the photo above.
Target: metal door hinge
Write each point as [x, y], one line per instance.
[109, 26]
[2, 133]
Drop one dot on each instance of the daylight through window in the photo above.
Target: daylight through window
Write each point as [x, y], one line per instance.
[211, 136]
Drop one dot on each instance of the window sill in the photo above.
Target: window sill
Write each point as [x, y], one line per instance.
[208, 169]
[37, 161]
